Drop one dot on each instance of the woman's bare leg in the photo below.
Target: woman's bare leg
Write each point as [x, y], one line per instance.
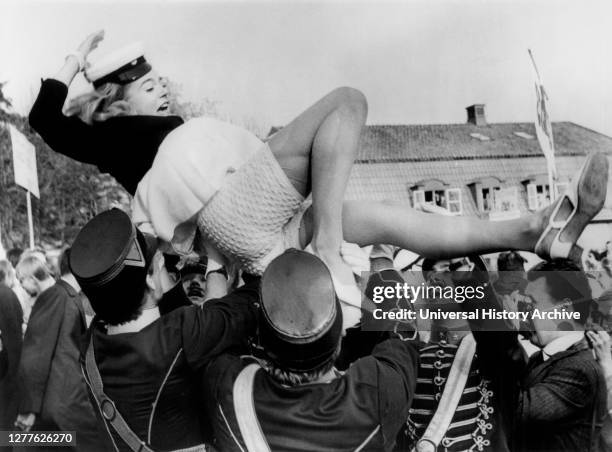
[318, 148]
[431, 235]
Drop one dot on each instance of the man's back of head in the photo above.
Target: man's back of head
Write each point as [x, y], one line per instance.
[301, 324]
[34, 275]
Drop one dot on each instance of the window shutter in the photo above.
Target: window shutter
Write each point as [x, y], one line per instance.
[453, 200]
[532, 196]
[418, 197]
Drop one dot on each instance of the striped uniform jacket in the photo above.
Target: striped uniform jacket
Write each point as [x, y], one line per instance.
[474, 424]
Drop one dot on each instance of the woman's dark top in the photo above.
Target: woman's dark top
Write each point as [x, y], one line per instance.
[123, 146]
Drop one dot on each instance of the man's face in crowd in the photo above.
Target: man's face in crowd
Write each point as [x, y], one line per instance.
[29, 284]
[538, 294]
[194, 285]
[441, 276]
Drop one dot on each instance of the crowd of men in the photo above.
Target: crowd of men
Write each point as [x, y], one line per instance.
[137, 350]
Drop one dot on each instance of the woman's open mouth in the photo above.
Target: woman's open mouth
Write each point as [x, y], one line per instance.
[164, 107]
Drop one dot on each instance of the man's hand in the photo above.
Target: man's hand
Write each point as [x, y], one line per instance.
[25, 422]
[601, 346]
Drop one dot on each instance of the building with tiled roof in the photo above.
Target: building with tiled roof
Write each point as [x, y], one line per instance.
[493, 171]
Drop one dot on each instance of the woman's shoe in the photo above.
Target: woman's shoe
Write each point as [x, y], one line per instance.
[574, 209]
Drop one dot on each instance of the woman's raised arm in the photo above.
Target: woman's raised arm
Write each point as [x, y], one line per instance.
[75, 61]
[67, 135]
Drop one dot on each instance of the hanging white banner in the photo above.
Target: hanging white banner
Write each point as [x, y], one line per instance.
[543, 125]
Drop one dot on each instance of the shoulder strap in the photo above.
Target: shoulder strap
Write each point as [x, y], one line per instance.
[455, 384]
[107, 406]
[244, 408]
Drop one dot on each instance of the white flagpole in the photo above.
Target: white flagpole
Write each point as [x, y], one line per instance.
[2, 250]
[30, 221]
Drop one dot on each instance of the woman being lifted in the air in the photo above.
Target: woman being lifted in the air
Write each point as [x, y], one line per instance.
[247, 197]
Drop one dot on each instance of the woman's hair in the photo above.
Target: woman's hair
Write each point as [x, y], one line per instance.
[7, 274]
[34, 267]
[107, 101]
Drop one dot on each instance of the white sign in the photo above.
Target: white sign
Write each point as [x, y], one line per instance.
[24, 162]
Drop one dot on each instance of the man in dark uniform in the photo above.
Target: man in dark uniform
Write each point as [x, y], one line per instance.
[298, 401]
[454, 406]
[141, 367]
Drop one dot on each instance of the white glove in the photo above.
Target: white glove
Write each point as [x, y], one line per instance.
[355, 257]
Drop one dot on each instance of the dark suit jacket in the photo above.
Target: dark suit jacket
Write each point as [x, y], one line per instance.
[559, 401]
[11, 317]
[54, 387]
[558, 404]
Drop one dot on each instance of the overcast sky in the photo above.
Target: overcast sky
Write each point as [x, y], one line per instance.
[418, 62]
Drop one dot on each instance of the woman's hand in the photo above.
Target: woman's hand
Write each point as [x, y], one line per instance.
[75, 61]
[91, 43]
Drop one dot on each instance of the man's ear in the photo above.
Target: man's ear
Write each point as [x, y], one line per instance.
[150, 282]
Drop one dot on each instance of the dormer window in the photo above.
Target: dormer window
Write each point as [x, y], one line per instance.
[491, 197]
[489, 194]
[538, 192]
[435, 192]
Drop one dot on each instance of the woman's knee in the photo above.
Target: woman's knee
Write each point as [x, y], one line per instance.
[351, 100]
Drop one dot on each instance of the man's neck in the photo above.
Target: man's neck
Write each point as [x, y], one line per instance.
[44, 285]
[150, 301]
[546, 337]
[71, 281]
[327, 376]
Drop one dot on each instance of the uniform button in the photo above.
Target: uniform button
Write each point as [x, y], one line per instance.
[439, 381]
[438, 365]
[440, 353]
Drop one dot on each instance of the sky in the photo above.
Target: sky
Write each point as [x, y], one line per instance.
[263, 62]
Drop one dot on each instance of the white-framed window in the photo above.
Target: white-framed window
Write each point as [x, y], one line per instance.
[449, 198]
[506, 199]
[488, 198]
[497, 199]
[538, 196]
[453, 200]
